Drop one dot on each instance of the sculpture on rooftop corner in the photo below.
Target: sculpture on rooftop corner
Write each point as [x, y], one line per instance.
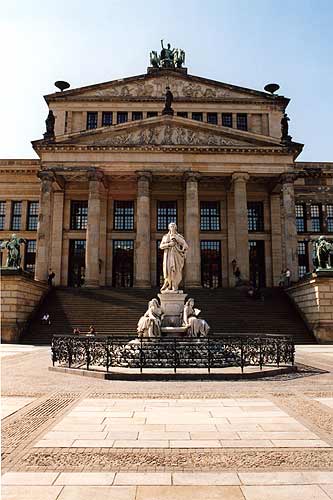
[14, 251]
[149, 325]
[168, 58]
[168, 102]
[323, 250]
[285, 137]
[175, 248]
[49, 122]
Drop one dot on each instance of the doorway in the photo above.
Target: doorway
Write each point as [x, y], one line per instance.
[211, 275]
[257, 263]
[76, 263]
[122, 263]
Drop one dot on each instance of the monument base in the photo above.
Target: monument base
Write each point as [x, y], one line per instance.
[172, 305]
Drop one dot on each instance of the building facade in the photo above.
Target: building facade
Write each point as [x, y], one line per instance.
[95, 205]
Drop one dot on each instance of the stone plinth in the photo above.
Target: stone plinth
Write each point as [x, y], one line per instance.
[314, 298]
[20, 295]
[172, 305]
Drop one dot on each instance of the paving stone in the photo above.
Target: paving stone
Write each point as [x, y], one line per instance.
[163, 435]
[86, 478]
[29, 478]
[213, 435]
[97, 443]
[246, 443]
[277, 435]
[141, 444]
[98, 493]
[328, 489]
[277, 477]
[54, 443]
[30, 493]
[300, 443]
[191, 443]
[304, 492]
[205, 478]
[189, 493]
[137, 478]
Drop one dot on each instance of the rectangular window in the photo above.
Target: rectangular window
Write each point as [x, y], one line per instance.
[79, 214]
[123, 215]
[303, 261]
[122, 117]
[242, 121]
[255, 216]
[166, 213]
[210, 216]
[2, 214]
[16, 215]
[107, 118]
[151, 114]
[30, 256]
[197, 116]
[32, 221]
[329, 218]
[137, 115]
[300, 218]
[182, 114]
[227, 119]
[91, 120]
[316, 218]
[212, 118]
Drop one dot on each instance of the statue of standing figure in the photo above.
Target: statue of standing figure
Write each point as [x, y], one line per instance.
[175, 248]
[14, 251]
[323, 249]
[49, 122]
[149, 325]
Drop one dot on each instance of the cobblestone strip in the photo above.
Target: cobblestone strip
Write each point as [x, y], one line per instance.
[315, 415]
[21, 428]
[144, 460]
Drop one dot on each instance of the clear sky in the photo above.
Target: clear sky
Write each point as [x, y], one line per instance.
[243, 42]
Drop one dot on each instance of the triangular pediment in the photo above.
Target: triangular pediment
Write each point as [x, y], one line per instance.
[166, 131]
[183, 87]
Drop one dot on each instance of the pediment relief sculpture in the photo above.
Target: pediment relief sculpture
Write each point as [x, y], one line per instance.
[163, 135]
[155, 87]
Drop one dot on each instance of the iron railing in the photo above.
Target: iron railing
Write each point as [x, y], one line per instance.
[74, 351]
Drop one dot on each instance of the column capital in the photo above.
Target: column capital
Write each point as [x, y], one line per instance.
[95, 175]
[190, 176]
[240, 177]
[144, 175]
[46, 176]
[287, 178]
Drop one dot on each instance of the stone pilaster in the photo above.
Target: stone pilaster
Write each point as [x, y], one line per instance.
[57, 234]
[93, 230]
[44, 225]
[241, 225]
[290, 231]
[192, 231]
[142, 242]
[276, 238]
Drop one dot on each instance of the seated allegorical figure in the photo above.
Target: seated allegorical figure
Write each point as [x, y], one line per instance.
[197, 327]
[149, 324]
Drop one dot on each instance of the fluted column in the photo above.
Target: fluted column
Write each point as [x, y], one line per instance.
[192, 231]
[93, 230]
[142, 242]
[290, 230]
[241, 225]
[44, 226]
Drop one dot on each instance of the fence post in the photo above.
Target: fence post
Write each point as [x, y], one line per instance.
[69, 350]
[260, 353]
[107, 354]
[141, 355]
[88, 353]
[208, 349]
[278, 352]
[242, 356]
[175, 355]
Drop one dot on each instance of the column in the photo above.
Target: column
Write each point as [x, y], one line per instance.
[93, 230]
[57, 235]
[241, 228]
[192, 231]
[142, 242]
[44, 226]
[290, 231]
[276, 239]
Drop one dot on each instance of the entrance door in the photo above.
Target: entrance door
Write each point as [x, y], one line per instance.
[211, 276]
[257, 263]
[76, 262]
[122, 263]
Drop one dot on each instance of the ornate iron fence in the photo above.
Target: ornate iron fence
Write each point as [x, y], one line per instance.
[213, 352]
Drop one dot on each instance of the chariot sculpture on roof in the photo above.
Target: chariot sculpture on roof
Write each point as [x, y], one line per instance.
[168, 57]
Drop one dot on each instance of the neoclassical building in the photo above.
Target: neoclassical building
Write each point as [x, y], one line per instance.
[117, 170]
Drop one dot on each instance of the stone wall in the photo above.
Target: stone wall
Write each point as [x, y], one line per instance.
[20, 295]
[314, 299]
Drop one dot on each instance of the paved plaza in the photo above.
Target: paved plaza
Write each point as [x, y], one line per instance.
[74, 437]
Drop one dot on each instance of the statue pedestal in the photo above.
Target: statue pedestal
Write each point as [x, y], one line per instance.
[172, 305]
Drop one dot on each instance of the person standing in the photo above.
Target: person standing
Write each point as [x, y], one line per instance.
[50, 278]
[288, 277]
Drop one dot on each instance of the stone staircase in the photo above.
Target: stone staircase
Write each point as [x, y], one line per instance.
[116, 312]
